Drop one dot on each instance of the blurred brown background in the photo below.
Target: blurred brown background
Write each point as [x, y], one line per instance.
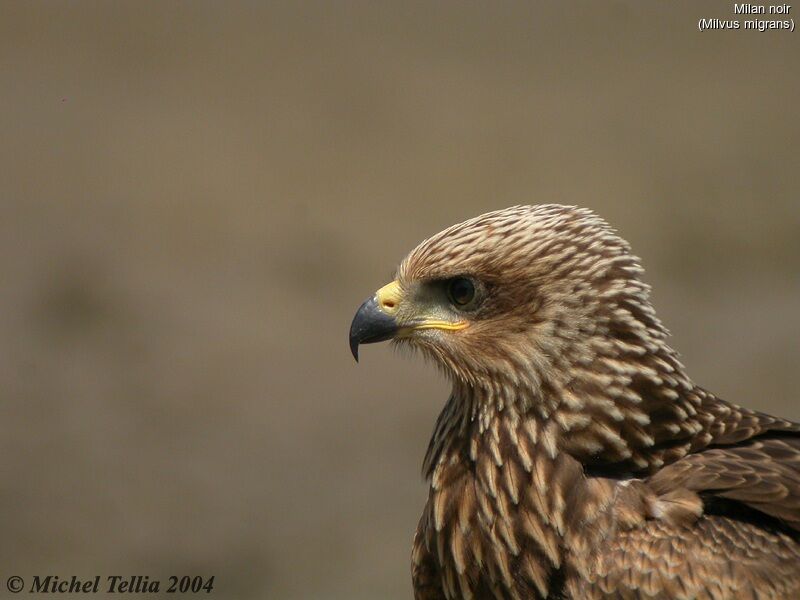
[196, 196]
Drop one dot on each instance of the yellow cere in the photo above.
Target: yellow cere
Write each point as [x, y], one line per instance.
[388, 297]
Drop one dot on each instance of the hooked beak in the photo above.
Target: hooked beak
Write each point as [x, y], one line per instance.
[371, 325]
[374, 320]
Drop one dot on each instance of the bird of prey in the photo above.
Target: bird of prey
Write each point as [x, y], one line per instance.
[575, 458]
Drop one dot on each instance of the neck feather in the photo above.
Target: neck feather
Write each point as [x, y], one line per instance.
[634, 414]
[500, 491]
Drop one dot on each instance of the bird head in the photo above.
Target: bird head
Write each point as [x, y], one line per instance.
[523, 297]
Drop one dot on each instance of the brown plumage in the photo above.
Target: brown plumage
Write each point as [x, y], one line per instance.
[575, 458]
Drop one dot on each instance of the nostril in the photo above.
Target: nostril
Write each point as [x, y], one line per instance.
[388, 298]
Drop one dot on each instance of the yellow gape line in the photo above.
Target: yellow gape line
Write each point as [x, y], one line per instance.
[446, 325]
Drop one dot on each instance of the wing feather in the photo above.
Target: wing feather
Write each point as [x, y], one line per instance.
[761, 473]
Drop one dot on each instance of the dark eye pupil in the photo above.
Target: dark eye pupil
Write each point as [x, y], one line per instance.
[462, 291]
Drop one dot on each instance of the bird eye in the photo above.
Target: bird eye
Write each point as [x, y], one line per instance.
[461, 291]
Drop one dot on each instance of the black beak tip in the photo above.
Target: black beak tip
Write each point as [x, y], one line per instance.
[370, 325]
